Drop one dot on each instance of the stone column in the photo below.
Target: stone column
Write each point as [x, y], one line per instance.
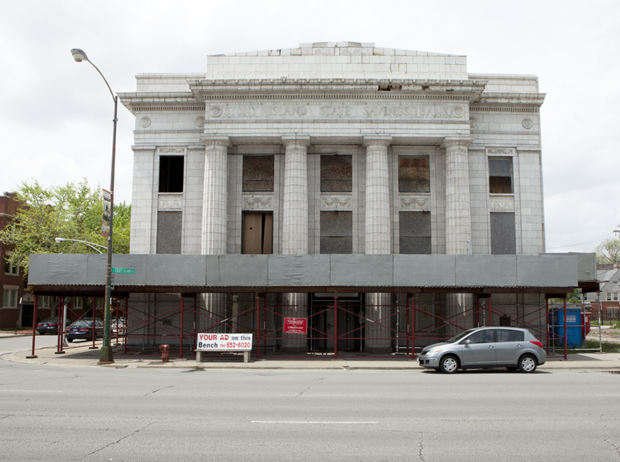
[377, 239]
[458, 215]
[215, 218]
[458, 219]
[295, 230]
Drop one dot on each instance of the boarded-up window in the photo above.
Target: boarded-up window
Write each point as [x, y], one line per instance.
[171, 173]
[169, 232]
[336, 173]
[258, 173]
[500, 176]
[257, 233]
[415, 232]
[414, 174]
[503, 234]
[336, 232]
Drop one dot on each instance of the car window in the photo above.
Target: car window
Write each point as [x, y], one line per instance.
[481, 336]
[505, 335]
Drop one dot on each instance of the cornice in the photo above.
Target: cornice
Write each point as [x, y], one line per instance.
[535, 99]
[378, 88]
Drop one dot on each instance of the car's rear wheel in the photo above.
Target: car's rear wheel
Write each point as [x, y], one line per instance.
[449, 364]
[527, 364]
[69, 340]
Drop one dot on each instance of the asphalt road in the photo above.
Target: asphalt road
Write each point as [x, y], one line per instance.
[101, 414]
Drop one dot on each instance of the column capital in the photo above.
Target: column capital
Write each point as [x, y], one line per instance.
[216, 141]
[460, 141]
[293, 140]
[377, 140]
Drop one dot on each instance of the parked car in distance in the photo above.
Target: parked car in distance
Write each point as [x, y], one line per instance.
[48, 326]
[117, 326]
[82, 329]
[509, 347]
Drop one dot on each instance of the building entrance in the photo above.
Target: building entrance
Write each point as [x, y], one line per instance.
[323, 328]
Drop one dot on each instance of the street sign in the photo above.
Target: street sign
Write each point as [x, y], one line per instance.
[123, 270]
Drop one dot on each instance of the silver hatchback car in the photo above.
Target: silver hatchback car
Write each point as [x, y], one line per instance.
[508, 347]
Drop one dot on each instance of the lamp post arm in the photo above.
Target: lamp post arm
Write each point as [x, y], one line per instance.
[104, 79]
[89, 244]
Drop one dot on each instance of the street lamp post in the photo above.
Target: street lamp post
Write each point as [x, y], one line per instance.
[106, 350]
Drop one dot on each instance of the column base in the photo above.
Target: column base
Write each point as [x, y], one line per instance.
[106, 356]
[377, 350]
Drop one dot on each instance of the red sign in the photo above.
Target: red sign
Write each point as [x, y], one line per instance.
[295, 325]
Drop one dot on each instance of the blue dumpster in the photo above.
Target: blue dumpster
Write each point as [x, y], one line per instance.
[573, 327]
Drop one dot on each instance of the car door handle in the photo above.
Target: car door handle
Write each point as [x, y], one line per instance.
[519, 345]
[491, 346]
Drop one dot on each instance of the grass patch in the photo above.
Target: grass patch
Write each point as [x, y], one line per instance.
[607, 347]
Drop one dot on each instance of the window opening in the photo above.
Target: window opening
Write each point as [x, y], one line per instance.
[171, 174]
[503, 234]
[415, 232]
[414, 174]
[500, 176]
[258, 173]
[336, 232]
[336, 173]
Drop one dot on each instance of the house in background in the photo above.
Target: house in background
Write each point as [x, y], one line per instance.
[12, 277]
[609, 277]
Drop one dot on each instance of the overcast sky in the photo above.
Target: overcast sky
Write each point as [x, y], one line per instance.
[56, 114]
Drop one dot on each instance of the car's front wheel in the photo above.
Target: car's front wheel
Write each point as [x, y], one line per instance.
[69, 340]
[449, 364]
[512, 369]
[527, 364]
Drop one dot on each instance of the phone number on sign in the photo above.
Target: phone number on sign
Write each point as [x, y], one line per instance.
[237, 345]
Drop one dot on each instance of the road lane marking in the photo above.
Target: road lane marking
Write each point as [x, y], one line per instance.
[32, 391]
[309, 422]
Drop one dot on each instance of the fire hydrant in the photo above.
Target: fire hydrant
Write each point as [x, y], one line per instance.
[165, 353]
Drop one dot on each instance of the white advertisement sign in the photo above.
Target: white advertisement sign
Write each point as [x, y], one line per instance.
[224, 342]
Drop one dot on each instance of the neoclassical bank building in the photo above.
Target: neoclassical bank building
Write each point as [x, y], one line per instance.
[336, 198]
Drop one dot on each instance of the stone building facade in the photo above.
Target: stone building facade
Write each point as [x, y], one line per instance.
[336, 148]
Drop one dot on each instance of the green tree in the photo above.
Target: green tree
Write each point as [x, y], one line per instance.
[73, 211]
[608, 251]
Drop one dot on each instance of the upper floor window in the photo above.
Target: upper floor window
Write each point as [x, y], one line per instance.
[500, 175]
[10, 297]
[10, 268]
[414, 174]
[171, 174]
[258, 173]
[336, 173]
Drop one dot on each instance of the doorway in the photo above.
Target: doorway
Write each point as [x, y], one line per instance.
[257, 236]
[321, 325]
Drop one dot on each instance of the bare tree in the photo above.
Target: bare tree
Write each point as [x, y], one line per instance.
[608, 251]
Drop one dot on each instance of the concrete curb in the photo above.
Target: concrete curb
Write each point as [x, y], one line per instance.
[83, 357]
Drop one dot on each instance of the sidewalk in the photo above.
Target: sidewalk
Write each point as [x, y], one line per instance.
[82, 356]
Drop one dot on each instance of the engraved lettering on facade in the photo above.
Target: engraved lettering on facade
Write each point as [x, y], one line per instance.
[335, 111]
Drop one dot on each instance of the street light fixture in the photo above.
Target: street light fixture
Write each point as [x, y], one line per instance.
[89, 244]
[106, 350]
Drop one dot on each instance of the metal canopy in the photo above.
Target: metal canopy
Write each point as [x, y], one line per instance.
[85, 273]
